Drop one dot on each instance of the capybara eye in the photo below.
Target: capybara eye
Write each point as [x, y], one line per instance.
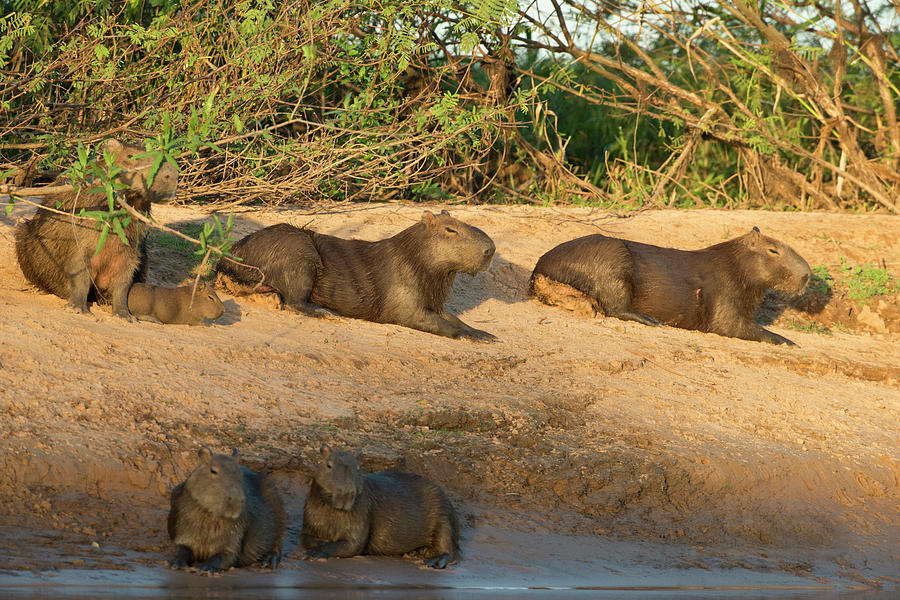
[449, 230]
[773, 250]
[328, 465]
[213, 471]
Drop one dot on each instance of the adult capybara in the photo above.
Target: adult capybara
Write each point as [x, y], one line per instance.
[180, 305]
[56, 252]
[225, 515]
[389, 513]
[715, 289]
[404, 279]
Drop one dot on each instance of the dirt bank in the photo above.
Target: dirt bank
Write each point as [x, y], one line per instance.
[647, 452]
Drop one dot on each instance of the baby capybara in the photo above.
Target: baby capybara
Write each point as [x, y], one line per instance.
[715, 289]
[57, 252]
[182, 305]
[225, 515]
[404, 279]
[388, 513]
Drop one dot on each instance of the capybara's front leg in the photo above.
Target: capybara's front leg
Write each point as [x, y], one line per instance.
[183, 557]
[753, 332]
[467, 331]
[340, 548]
[214, 564]
[447, 325]
[79, 286]
[119, 295]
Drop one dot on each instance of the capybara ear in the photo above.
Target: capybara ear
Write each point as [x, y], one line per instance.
[753, 237]
[110, 145]
[445, 212]
[325, 449]
[234, 452]
[205, 455]
[428, 218]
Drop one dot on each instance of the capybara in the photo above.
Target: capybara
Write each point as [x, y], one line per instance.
[56, 252]
[404, 279]
[715, 289]
[179, 305]
[225, 515]
[388, 513]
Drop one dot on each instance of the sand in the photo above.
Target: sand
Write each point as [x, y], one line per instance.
[581, 452]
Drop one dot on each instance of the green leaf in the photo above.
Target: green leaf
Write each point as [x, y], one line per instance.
[102, 239]
[154, 168]
[10, 205]
[238, 124]
[117, 228]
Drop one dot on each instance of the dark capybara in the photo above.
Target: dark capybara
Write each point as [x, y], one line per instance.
[388, 513]
[225, 515]
[404, 279]
[179, 305]
[715, 289]
[56, 252]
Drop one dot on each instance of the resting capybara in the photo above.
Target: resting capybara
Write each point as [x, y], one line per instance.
[715, 289]
[225, 515]
[404, 279]
[388, 513]
[179, 305]
[56, 252]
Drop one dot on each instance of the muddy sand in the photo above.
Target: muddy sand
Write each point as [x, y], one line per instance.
[584, 453]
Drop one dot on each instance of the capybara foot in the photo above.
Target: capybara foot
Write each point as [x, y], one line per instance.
[639, 317]
[126, 316]
[477, 335]
[211, 566]
[316, 553]
[439, 562]
[271, 560]
[182, 558]
[81, 309]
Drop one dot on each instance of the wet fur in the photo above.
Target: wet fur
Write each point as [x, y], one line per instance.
[715, 289]
[404, 279]
[204, 528]
[56, 252]
[388, 513]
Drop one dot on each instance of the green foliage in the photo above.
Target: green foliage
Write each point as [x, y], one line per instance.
[809, 327]
[820, 280]
[866, 281]
[303, 97]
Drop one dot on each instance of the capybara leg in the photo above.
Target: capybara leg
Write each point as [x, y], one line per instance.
[309, 309]
[630, 315]
[759, 334]
[271, 560]
[468, 332]
[297, 292]
[120, 298]
[439, 562]
[214, 564]
[183, 557]
[444, 546]
[79, 288]
[340, 548]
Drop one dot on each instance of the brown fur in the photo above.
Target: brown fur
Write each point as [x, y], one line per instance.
[56, 252]
[404, 279]
[225, 515]
[715, 289]
[347, 513]
[180, 305]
